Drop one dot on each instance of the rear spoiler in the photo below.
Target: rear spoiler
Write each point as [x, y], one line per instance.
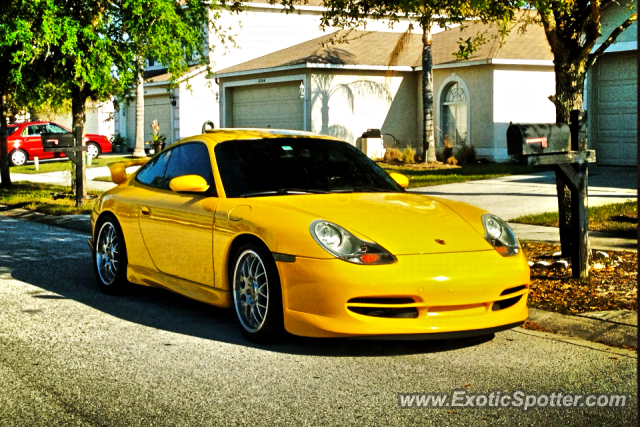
[119, 169]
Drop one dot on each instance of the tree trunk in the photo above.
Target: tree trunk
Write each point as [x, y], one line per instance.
[428, 138]
[138, 150]
[5, 177]
[78, 100]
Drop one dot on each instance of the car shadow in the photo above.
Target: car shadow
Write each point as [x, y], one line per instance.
[59, 263]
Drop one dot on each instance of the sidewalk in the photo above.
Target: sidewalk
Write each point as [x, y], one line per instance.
[603, 241]
[62, 178]
[513, 196]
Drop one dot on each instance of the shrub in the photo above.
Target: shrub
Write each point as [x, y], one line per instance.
[447, 152]
[118, 139]
[409, 155]
[452, 161]
[393, 155]
[466, 154]
[463, 154]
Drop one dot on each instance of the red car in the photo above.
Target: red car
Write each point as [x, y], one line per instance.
[24, 142]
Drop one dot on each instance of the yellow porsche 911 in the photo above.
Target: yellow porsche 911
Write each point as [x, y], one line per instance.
[302, 232]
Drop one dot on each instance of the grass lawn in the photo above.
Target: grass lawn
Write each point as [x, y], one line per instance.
[613, 218]
[427, 177]
[39, 197]
[49, 166]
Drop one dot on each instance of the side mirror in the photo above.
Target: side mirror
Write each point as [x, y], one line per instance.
[189, 184]
[402, 180]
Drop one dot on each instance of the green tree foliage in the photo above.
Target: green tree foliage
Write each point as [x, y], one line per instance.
[28, 29]
[90, 49]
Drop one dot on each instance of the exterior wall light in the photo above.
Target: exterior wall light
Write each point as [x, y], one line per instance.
[302, 90]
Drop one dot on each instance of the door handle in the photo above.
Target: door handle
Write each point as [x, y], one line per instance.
[145, 211]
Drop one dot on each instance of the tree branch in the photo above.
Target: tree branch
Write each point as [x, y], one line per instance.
[610, 40]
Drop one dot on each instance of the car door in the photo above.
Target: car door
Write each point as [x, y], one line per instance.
[32, 141]
[177, 229]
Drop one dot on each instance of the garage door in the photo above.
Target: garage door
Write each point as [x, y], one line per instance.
[158, 108]
[616, 121]
[274, 106]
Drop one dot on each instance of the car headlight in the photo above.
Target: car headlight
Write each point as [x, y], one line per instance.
[344, 245]
[500, 235]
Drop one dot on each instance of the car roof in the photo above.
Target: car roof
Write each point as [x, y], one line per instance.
[42, 122]
[229, 134]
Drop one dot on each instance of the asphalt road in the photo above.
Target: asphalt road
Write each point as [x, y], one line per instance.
[72, 356]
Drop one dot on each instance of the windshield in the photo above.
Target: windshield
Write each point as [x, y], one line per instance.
[272, 166]
[11, 130]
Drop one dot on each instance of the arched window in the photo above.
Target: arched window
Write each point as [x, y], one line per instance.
[454, 115]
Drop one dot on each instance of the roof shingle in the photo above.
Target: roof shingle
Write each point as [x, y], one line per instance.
[370, 48]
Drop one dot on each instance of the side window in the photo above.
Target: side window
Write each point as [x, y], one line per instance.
[191, 159]
[54, 128]
[31, 131]
[153, 173]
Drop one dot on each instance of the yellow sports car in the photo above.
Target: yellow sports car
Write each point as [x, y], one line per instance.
[302, 232]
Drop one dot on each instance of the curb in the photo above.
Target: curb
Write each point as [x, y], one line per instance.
[79, 223]
[588, 328]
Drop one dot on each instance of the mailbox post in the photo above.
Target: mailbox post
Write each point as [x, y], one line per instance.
[565, 147]
[69, 143]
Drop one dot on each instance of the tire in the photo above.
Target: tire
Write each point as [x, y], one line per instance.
[93, 150]
[110, 256]
[18, 157]
[257, 295]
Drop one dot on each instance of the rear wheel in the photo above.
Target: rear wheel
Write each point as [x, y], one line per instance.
[18, 157]
[257, 295]
[93, 150]
[110, 256]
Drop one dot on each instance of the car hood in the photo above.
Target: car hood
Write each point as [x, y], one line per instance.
[403, 223]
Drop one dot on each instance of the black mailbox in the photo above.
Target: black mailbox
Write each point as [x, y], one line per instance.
[56, 140]
[529, 139]
[372, 133]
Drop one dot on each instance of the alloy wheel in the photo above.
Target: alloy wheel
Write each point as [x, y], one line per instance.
[107, 253]
[251, 290]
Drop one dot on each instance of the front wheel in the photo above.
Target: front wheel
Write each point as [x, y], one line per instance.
[257, 296]
[110, 256]
[93, 150]
[18, 157]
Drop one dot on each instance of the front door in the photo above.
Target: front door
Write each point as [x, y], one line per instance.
[178, 228]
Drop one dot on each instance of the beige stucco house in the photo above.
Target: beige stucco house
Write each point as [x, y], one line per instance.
[349, 88]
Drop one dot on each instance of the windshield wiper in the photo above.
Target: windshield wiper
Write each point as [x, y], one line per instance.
[361, 190]
[281, 191]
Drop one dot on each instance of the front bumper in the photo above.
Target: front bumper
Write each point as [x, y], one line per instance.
[419, 294]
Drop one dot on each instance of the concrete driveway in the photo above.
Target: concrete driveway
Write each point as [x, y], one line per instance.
[512, 196]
